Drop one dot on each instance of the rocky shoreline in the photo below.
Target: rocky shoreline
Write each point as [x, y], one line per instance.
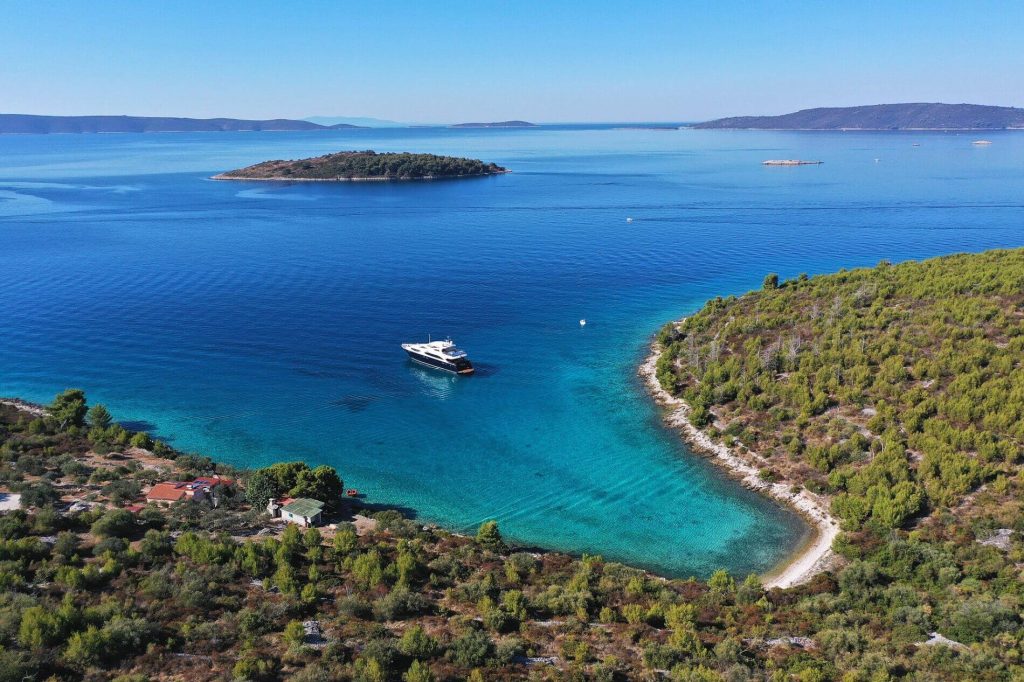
[25, 406]
[816, 555]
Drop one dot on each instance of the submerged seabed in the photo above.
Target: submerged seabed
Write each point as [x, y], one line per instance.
[263, 322]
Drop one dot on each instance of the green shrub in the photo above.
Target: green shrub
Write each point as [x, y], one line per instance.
[471, 650]
[416, 643]
[114, 523]
[401, 603]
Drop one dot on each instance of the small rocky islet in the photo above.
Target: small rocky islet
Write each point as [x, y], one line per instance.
[367, 166]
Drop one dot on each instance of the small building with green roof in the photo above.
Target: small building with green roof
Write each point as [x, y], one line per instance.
[303, 510]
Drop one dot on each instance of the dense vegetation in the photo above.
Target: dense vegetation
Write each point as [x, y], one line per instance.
[366, 165]
[294, 479]
[897, 391]
[897, 388]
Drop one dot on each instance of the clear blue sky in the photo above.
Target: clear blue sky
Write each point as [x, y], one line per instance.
[542, 61]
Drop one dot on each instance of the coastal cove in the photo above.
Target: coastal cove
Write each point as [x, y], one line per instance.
[815, 554]
[259, 323]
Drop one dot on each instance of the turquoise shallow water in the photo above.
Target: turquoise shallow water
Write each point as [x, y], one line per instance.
[256, 322]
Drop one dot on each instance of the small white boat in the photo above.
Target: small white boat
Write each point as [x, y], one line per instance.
[982, 142]
[790, 162]
[583, 323]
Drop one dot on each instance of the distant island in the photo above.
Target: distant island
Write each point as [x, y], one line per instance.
[366, 165]
[882, 117]
[28, 124]
[356, 121]
[790, 162]
[497, 124]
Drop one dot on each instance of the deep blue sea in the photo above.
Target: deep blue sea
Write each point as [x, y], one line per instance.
[257, 322]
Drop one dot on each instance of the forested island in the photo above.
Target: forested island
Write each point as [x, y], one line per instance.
[917, 116]
[27, 124]
[366, 165]
[895, 392]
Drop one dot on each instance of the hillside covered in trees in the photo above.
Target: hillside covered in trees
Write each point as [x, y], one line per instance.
[897, 388]
[29, 124]
[898, 392]
[367, 165]
[912, 116]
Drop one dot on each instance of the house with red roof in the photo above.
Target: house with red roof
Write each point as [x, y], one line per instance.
[169, 492]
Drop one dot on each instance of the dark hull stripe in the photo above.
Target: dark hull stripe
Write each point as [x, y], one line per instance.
[437, 364]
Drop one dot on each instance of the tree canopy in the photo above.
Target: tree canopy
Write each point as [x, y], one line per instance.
[99, 417]
[898, 388]
[294, 479]
[68, 408]
[367, 164]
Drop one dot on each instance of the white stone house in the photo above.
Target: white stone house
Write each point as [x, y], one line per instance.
[303, 511]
